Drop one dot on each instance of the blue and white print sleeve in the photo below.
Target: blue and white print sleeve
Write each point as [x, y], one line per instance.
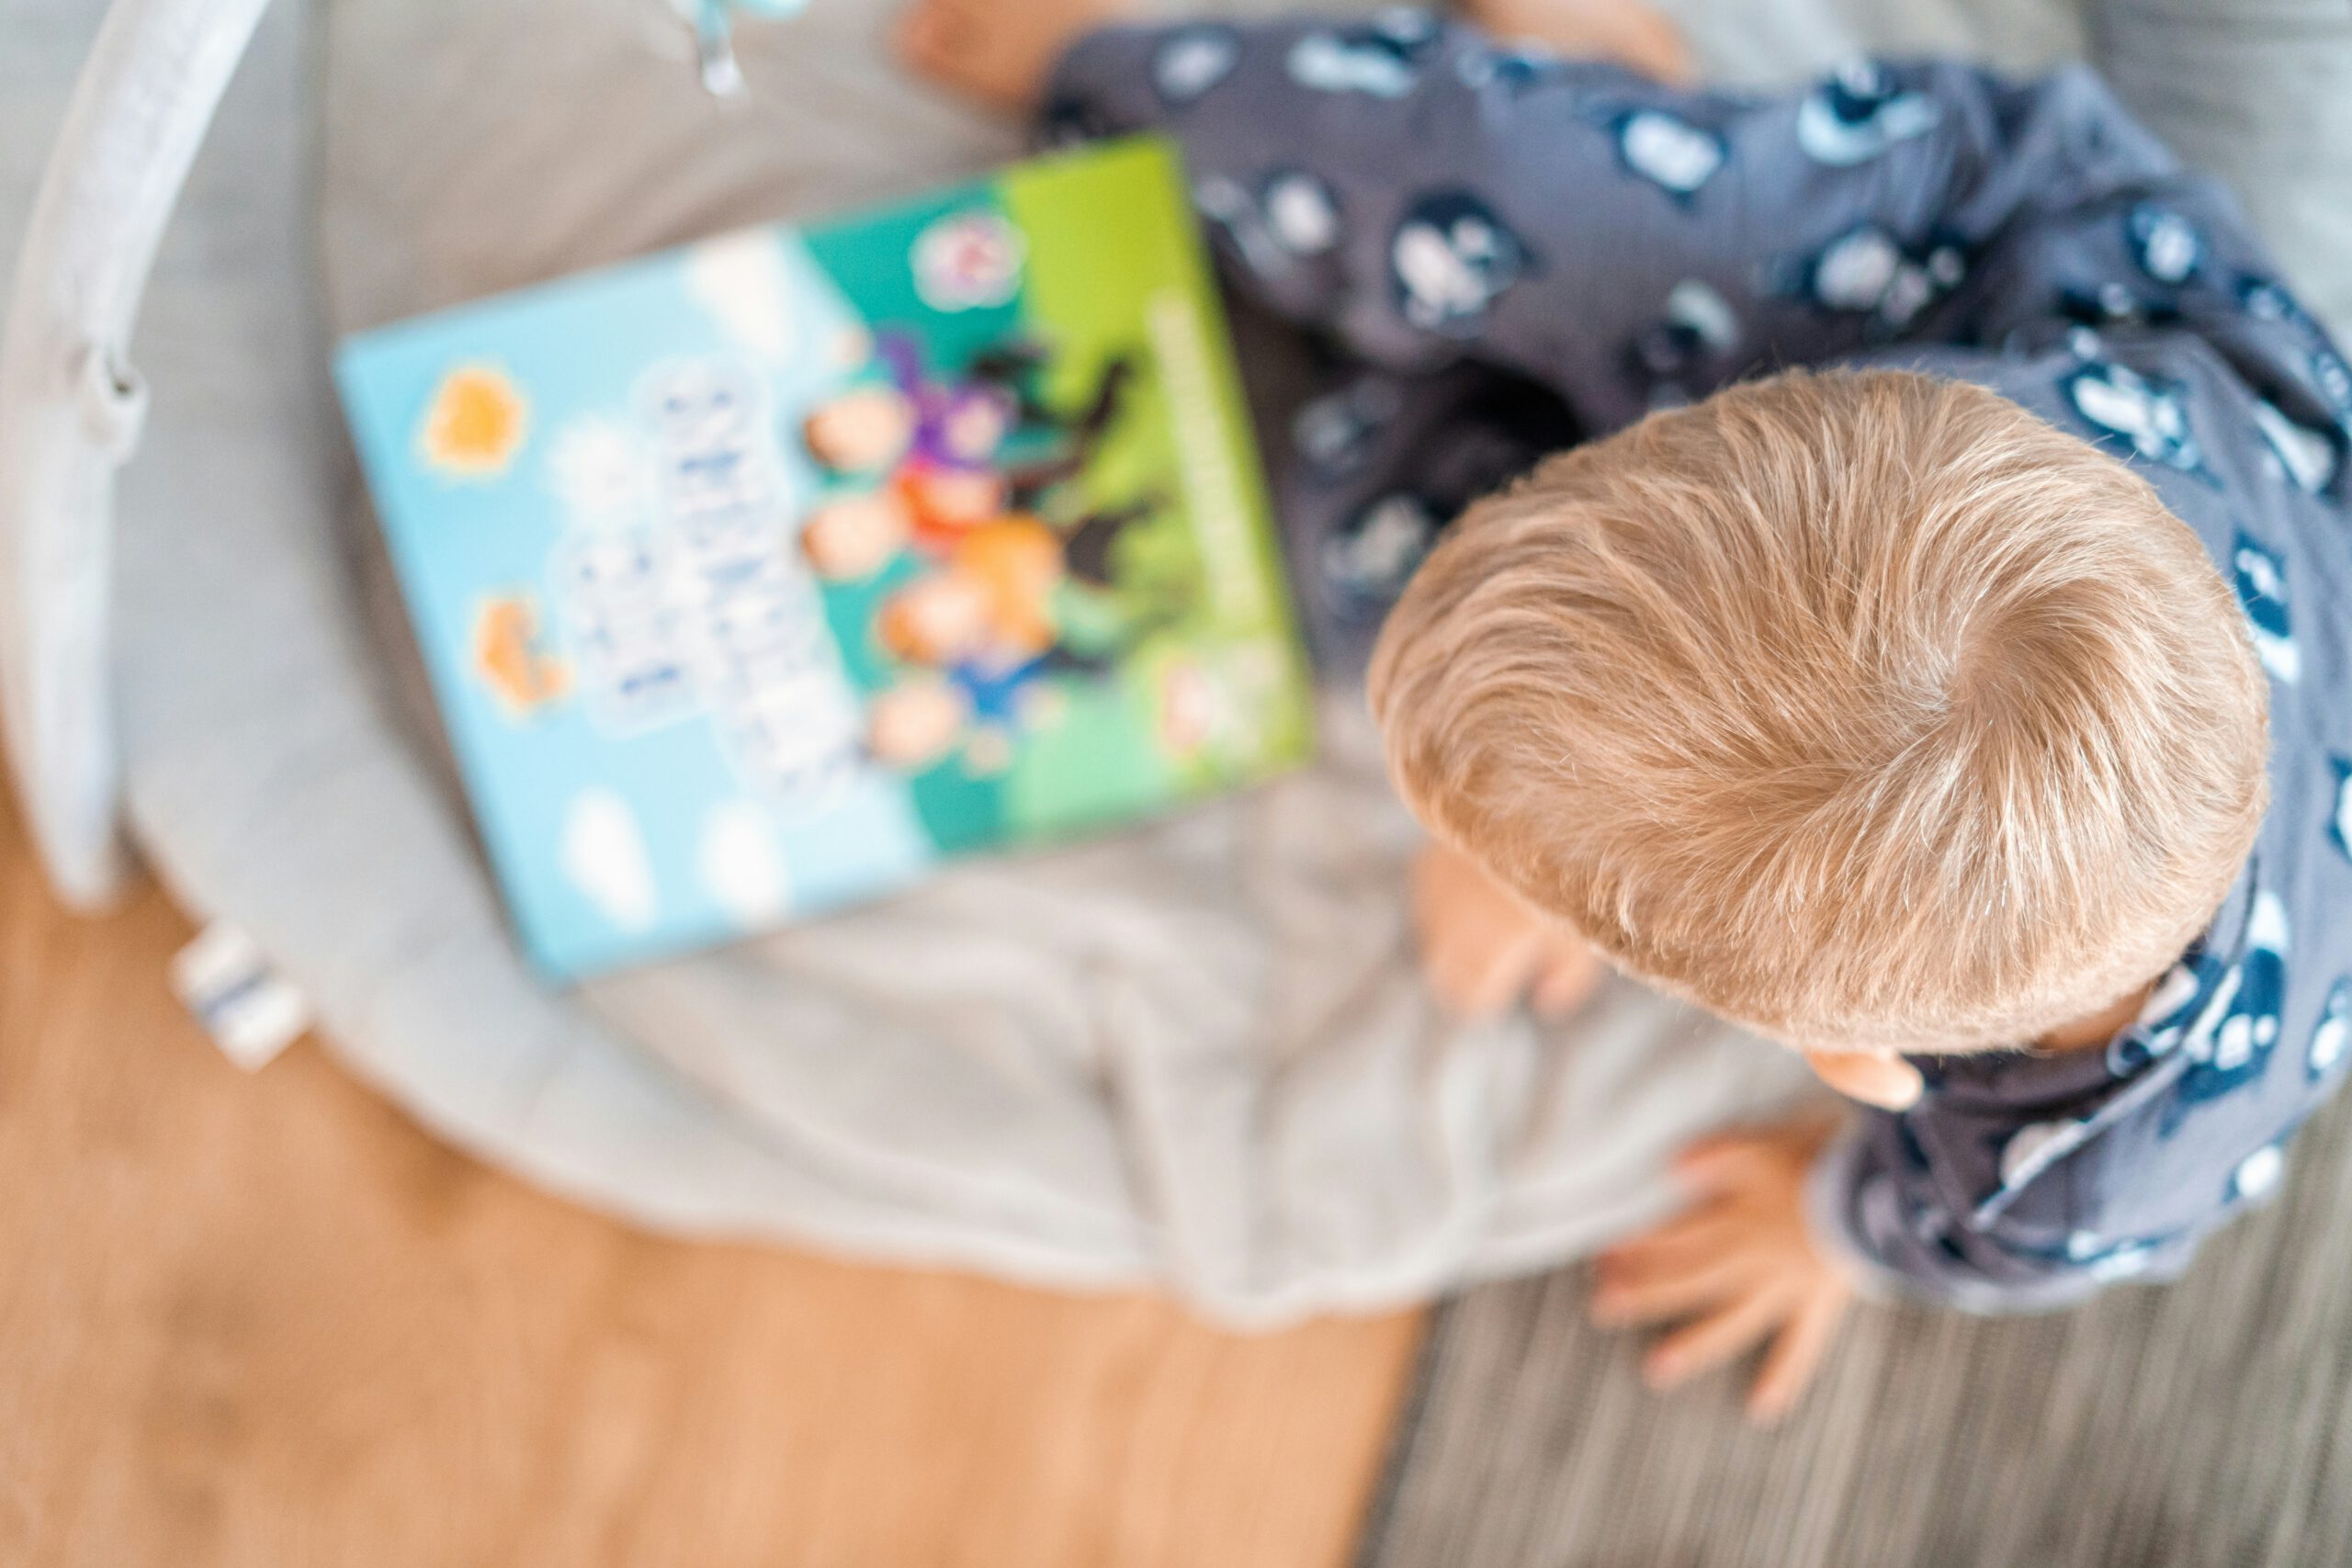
[1428, 195]
[2022, 1182]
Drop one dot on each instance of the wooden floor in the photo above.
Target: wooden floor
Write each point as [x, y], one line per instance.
[256, 1321]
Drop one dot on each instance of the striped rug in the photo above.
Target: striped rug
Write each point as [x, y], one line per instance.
[2196, 1423]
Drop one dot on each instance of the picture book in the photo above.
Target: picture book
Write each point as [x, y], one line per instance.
[761, 576]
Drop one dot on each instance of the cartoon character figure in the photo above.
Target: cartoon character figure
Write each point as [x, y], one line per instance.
[988, 601]
[1068, 121]
[1859, 113]
[942, 503]
[2306, 459]
[849, 538]
[1451, 257]
[2109, 301]
[632, 638]
[2333, 379]
[2332, 1033]
[2265, 301]
[511, 655]
[862, 430]
[2260, 577]
[2257, 1174]
[1510, 69]
[1193, 59]
[2339, 824]
[1292, 217]
[2106, 1260]
[2165, 1016]
[1302, 211]
[917, 722]
[1381, 58]
[1697, 327]
[947, 450]
[2166, 244]
[1866, 271]
[2236, 1031]
[1334, 433]
[2141, 416]
[982, 628]
[960, 423]
[1059, 440]
[1367, 559]
[1668, 151]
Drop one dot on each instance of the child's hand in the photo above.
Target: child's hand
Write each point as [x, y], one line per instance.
[1736, 1269]
[1483, 950]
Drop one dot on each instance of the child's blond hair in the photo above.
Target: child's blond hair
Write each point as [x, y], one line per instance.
[1864, 708]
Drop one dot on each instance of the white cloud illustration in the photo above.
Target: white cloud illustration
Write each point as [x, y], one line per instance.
[742, 864]
[739, 280]
[603, 854]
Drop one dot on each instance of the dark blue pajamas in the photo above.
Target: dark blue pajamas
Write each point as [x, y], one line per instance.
[1507, 250]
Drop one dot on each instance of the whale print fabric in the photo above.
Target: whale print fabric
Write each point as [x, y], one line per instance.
[1480, 229]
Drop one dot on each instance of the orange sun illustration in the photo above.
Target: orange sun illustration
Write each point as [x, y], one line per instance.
[475, 423]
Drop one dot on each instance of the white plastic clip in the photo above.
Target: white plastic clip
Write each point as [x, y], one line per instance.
[114, 401]
[224, 979]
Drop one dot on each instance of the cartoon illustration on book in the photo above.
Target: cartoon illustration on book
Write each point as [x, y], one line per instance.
[970, 479]
[831, 553]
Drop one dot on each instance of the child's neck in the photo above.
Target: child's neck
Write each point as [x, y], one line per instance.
[2095, 1030]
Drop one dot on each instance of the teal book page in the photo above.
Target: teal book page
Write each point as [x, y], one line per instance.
[757, 578]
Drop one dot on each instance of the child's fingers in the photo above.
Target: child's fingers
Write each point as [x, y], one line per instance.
[1715, 1338]
[1480, 978]
[1670, 1293]
[1502, 978]
[1795, 1355]
[1676, 1244]
[1726, 1162]
[1570, 975]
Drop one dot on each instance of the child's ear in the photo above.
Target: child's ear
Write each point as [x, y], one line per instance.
[1889, 1082]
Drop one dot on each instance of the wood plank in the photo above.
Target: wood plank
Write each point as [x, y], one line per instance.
[264, 1320]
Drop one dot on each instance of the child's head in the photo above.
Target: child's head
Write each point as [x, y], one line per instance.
[1866, 709]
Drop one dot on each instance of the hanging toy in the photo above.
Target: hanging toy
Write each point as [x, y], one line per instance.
[714, 25]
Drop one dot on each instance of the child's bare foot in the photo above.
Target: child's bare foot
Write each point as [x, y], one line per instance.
[1626, 31]
[997, 52]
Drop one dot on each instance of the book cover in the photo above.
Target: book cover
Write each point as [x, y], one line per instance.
[759, 577]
